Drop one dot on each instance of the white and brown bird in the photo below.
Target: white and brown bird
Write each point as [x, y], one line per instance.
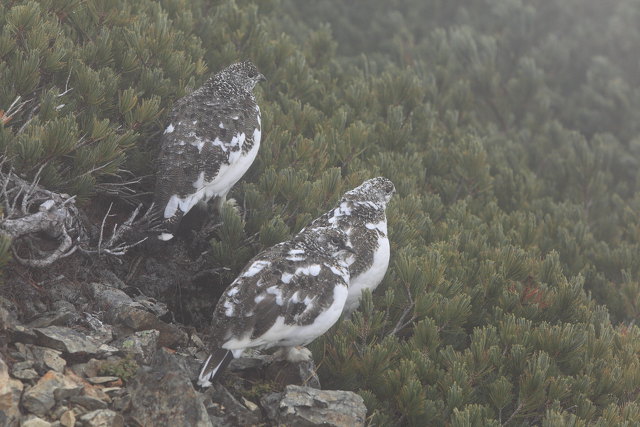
[212, 139]
[286, 296]
[361, 214]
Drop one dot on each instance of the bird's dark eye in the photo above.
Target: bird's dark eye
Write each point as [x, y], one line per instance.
[252, 74]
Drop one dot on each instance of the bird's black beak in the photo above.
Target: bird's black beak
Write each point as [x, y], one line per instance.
[261, 78]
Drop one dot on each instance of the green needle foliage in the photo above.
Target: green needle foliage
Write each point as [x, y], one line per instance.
[511, 130]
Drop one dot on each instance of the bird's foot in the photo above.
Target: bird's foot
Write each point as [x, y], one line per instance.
[293, 354]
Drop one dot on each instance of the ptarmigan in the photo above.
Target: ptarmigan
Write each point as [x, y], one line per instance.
[361, 213]
[286, 296]
[212, 138]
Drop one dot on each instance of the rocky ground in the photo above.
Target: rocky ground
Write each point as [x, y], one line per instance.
[77, 352]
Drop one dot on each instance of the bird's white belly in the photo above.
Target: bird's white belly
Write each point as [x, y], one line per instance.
[371, 278]
[284, 335]
[227, 176]
[231, 173]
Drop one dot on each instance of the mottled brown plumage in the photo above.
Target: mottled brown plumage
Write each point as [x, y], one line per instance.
[286, 296]
[212, 138]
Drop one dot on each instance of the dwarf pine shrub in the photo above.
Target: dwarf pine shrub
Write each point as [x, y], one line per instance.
[510, 130]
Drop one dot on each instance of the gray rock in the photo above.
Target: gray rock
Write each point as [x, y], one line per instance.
[51, 387]
[62, 305]
[102, 380]
[35, 422]
[142, 345]
[25, 374]
[51, 359]
[109, 298]
[131, 319]
[8, 318]
[100, 331]
[305, 407]
[47, 358]
[297, 373]
[68, 419]
[225, 409]
[19, 366]
[102, 418]
[61, 317]
[10, 392]
[128, 315]
[19, 334]
[88, 402]
[66, 339]
[279, 372]
[88, 369]
[152, 305]
[106, 350]
[164, 395]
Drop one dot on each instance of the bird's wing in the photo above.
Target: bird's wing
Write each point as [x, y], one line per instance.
[295, 290]
[201, 137]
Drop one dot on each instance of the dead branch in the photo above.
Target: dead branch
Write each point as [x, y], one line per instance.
[31, 211]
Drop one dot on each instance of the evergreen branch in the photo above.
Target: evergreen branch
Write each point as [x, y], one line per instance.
[518, 408]
[401, 324]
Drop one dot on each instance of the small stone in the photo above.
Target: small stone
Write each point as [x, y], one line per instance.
[90, 403]
[87, 389]
[68, 419]
[59, 318]
[57, 411]
[102, 418]
[88, 369]
[102, 380]
[51, 387]
[142, 345]
[10, 392]
[156, 307]
[302, 373]
[101, 332]
[249, 404]
[66, 339]
[19, 366]
[197, 341]
[20, 334]
[45, 358]
[109, 297]
[36, 422]
[25, 374]
[7, 318]
[164, 395]
[52, 360]
[306, 406]
[131, 319]
[223, 406]
[106, 350]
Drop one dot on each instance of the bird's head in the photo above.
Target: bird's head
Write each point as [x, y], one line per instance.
[244, 74]
[377, 190]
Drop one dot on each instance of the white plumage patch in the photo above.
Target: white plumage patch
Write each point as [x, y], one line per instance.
[256, 268]
[293, 335]
[371, 278]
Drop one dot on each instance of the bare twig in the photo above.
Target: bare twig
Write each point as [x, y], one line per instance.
[59, 218]
[401, 324]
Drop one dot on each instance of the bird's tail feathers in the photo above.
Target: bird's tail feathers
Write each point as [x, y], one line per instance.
[213, 366]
